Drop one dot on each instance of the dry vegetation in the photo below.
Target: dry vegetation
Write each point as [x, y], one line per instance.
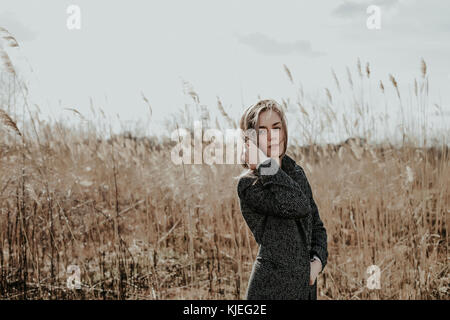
[140, 227]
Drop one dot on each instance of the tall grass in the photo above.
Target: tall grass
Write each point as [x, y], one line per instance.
[139, 227]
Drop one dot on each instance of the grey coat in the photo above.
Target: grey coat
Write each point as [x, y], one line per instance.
[281, 213]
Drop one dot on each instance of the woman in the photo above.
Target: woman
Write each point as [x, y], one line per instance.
[277, 203]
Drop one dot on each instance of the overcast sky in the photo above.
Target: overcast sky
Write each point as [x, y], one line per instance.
[231, 49]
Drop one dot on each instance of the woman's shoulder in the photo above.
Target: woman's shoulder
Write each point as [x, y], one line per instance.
[291, 165]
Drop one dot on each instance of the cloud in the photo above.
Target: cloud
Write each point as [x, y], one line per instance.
[349, 9]
[268, 46]
[16, 28]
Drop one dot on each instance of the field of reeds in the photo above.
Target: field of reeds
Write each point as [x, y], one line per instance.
[116, 214]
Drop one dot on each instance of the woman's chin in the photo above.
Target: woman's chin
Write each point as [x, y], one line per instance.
[273, 153]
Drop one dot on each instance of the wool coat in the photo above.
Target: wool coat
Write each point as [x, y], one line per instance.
[280, 211]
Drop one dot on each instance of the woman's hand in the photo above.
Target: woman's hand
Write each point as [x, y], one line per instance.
[316, 267]
[249, 147]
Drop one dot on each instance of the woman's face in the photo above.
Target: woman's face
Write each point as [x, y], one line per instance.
[271, 133]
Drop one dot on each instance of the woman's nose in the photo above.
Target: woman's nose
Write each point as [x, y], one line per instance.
[275, 137]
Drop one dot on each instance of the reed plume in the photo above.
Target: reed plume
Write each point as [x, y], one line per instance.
[8, 122]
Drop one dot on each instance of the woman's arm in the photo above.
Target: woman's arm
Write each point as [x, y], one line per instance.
[278, 195]
[256, 222]
[319, 236]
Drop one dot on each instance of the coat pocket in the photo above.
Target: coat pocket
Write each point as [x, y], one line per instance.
[309, 273]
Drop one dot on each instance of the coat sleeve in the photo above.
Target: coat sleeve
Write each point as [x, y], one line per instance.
[319, 233]
[277, 194]
[256, 222]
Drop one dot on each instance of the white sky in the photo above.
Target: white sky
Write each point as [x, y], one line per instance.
[231, 49]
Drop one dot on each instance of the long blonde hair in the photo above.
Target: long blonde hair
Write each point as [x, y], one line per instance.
[249, 120]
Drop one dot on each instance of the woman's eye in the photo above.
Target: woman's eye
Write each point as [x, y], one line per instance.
[264, 131]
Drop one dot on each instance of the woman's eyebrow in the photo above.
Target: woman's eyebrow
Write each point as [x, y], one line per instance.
[272, 124]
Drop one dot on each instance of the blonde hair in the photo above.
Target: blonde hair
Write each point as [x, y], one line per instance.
[249, 120]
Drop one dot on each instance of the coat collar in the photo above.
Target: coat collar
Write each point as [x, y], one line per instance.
[287, 163]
